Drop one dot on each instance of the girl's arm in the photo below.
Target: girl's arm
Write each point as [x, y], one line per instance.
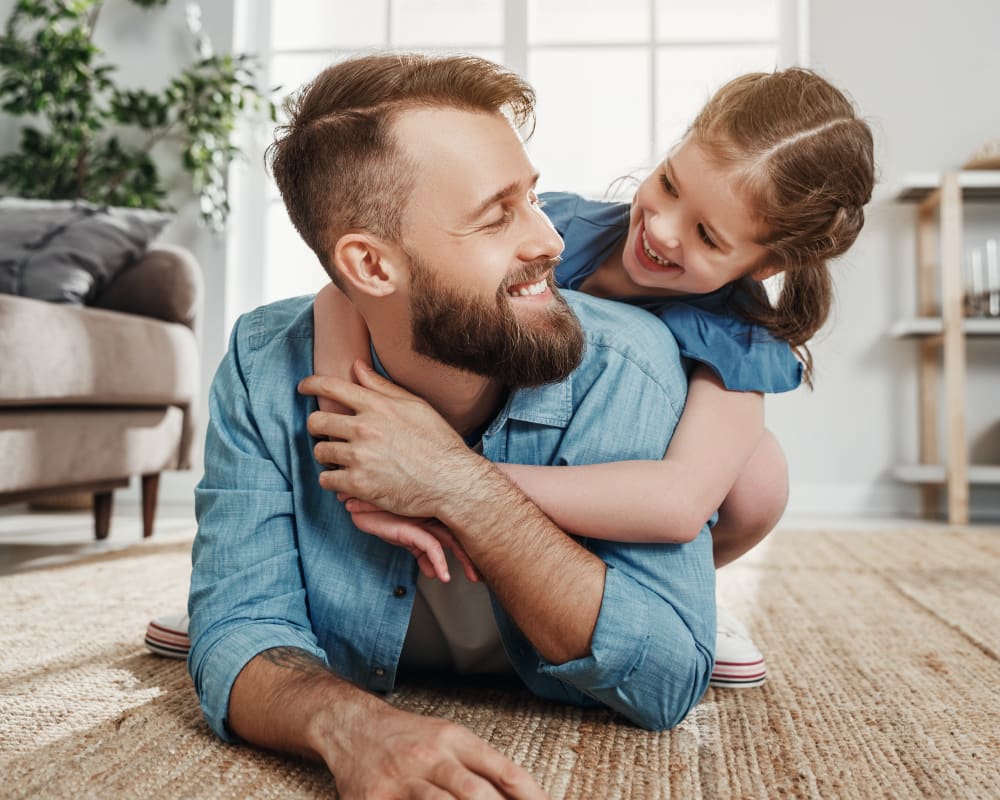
[657, 501]
[667, 500]
[341, 338]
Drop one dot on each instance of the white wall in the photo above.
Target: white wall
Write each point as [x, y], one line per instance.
[925, 74]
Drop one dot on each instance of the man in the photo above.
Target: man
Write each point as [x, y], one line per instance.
[413, 188]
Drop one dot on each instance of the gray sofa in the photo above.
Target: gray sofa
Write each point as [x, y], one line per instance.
[91, 396]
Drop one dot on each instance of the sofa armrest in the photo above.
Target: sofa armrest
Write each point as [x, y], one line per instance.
[164, 284]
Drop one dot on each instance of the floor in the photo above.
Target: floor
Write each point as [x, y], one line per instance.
[32, 539]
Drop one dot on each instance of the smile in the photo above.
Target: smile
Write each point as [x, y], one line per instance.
[655, 257]
[529, 289]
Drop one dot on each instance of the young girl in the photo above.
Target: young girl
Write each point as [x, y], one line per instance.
[771, 178]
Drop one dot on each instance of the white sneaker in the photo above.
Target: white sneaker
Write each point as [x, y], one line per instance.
[168, 636]
[738, 662]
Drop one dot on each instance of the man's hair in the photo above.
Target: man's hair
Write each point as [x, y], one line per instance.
[337, 162]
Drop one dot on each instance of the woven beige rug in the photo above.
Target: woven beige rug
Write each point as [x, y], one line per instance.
[882, 650]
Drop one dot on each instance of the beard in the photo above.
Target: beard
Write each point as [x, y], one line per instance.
[486, 338]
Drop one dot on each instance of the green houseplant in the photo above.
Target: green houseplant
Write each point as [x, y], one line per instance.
[85, 137]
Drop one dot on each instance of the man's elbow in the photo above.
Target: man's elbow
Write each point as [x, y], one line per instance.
[668, 705]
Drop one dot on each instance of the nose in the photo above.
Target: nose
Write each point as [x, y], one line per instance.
[663, 229]
[540, 240]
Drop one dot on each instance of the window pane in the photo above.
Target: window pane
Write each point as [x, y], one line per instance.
[292, 268]
[686, 78]
[315, 24]
[442, 23]
[717, 20]
[593, 116]
[292, 71]
[589, 21]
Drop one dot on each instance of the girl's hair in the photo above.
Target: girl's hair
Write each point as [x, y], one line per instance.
[804, 161]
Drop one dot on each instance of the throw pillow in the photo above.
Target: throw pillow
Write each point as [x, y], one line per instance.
[66, 251]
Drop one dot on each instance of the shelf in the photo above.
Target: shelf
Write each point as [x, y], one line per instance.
[976, 185]
[933, 326]
[935, 473]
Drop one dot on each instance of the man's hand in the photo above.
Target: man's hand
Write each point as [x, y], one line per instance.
[426, 539]
[405, 755]
[395, 451]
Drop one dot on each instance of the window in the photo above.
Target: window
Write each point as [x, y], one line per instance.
[617, 84]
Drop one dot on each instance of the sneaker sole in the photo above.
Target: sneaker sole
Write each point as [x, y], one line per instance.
[726, 683]
[166, 650]
[167, 642]
[738, 674]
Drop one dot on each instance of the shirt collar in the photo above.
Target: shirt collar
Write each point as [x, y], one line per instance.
[550, 405]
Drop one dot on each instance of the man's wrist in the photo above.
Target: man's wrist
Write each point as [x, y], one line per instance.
[335, 724]
[478, 486]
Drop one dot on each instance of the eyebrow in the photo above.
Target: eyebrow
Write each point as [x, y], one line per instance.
[712, 231]
[507, 191]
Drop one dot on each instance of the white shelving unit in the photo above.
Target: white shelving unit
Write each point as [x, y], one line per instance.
[941, 331]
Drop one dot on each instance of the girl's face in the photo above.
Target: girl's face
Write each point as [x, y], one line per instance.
[690, 232]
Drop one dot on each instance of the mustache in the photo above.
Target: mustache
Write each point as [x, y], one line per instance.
[531, 272]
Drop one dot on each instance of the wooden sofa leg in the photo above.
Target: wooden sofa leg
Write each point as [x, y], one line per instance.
[102, 514]
[150, 488]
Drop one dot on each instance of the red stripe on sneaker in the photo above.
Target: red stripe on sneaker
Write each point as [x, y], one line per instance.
[165, 629]
[728, 676]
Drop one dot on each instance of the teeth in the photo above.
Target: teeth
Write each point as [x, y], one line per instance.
[665, 262]
[532, 289]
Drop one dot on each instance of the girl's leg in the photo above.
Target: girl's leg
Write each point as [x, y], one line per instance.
[754, 504]
[751, 509]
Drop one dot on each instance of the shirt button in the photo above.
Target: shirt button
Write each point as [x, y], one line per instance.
[379, 672]
[399, 591]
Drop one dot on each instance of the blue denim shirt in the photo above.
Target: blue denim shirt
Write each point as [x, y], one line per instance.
[277, 561]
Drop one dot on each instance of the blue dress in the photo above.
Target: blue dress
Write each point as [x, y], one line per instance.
[746, 357]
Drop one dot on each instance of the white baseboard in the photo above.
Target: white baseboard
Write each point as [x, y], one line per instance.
[865, 499]
[176, 489]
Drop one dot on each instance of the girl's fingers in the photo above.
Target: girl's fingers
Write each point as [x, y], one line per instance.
[445, 537]
[356, 506]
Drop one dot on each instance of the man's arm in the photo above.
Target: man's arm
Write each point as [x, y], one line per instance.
[388, 443]
[287, 700]
[255, 661]
[649, 652]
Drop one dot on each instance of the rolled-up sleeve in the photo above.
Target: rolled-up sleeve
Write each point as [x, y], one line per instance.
[652, 649]
[247, 592]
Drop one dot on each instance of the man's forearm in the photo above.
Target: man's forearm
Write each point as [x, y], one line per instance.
[285, 700]
[550, 585]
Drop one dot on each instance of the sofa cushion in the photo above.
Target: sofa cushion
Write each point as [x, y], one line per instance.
[165, 284]
[66, 355]
[66, 251]
[48, 448]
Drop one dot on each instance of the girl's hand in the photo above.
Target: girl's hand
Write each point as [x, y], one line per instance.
[426, 539]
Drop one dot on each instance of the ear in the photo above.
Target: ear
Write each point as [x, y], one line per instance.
[367, 264]
[764, 272]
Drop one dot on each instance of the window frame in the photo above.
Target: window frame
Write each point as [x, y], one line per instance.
[251, 186]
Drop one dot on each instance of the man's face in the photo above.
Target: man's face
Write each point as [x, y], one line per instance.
[482, 252]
